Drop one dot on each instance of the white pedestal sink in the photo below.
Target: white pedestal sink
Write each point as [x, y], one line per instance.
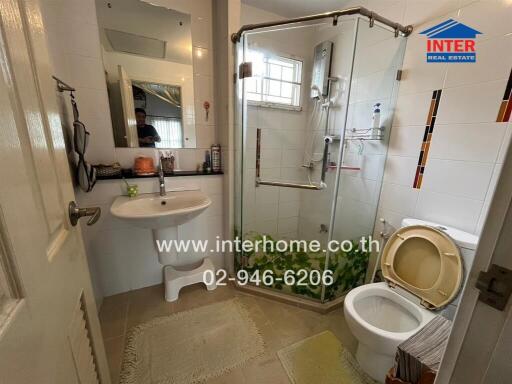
[162, 214]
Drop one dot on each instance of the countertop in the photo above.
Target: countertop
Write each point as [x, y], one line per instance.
[129, 174]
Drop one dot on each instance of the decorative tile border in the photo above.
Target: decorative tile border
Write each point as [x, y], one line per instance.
[506, 105]
[427, 138]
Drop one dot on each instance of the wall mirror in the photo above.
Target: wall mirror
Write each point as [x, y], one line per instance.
[147, 55]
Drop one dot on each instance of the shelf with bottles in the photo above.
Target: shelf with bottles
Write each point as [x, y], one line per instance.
[373, 134]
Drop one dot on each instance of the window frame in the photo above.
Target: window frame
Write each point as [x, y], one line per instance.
[266, 76]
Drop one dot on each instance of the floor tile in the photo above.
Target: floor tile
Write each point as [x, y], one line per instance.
[114, 349]
[280, 326]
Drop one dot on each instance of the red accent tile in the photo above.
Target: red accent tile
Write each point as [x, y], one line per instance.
[508, 111]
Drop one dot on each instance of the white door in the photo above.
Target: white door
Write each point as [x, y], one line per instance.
[480, 346]
[130, 125]
[49, 328]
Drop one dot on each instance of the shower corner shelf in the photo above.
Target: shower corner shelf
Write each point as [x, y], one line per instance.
[355, 134]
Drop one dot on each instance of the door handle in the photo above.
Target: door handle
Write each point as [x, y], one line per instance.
[75, 213]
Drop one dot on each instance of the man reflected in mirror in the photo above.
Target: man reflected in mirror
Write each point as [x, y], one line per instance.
[147, 134]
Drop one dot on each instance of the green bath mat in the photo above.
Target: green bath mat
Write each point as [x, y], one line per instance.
[321, 359]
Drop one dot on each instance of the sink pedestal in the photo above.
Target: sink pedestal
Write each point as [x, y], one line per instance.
[176, 279]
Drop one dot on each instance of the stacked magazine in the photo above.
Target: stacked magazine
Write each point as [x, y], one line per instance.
[422, 351]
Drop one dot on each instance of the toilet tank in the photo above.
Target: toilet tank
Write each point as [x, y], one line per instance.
[467, 243]
[464, 240]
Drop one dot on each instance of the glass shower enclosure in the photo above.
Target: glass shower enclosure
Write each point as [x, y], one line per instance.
[313, 124]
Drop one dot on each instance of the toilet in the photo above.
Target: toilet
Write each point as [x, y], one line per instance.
[423, 264]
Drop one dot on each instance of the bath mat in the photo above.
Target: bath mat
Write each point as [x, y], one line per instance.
[321, 359]
[191, 346]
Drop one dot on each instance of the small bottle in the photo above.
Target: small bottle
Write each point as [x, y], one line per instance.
[376, 116]
[207, 161]
[171, 162]
[215, 149]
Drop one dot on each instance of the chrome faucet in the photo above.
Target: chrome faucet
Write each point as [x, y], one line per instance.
[161, 177]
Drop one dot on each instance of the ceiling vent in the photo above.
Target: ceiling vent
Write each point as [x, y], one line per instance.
[136, 44]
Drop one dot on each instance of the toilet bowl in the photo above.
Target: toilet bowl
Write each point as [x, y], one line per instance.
[381, 319]
[423, 269]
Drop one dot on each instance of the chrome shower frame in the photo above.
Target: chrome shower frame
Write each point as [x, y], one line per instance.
[404, 30]
[241, 71]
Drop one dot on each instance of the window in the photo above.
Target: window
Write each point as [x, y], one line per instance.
[162, 103]
[276, 80]
[169, 129]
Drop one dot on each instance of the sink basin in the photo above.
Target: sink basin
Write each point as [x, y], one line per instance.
[157, 212]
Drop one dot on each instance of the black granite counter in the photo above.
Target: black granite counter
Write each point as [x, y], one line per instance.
[129, 174]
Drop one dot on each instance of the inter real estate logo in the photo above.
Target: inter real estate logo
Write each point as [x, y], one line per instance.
[451, 42]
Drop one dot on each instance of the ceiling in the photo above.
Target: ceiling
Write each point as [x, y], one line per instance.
[296, 8]
[134, 26]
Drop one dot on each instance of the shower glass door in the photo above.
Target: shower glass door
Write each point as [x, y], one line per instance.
[291, 197]
[284, 120]
[377, 60]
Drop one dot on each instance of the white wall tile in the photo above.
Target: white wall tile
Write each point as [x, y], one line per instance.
[359, 189]
[490, 17]
[203, 61]
[420, 12]
[266, 211]
[412, 109]
[84, 72]
[267, 227]
[477, 103]
[288, 209]
[469, 142]
[287, 225]
[459, 178]
[406, 140]
[292, 157]
[375, 86]
[487, 67]
[448, 210]
[201, 32]
[400, 170]
[398, 198]
[270, 158]
[420, 76]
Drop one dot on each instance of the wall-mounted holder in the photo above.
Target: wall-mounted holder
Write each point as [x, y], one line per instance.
[62, 86]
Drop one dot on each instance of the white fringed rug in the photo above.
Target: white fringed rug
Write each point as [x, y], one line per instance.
[321, 359]
[191, 346]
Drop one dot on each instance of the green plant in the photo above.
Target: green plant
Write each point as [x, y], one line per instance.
[348, 268]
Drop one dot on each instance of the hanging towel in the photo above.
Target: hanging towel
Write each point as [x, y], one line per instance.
[85, 173]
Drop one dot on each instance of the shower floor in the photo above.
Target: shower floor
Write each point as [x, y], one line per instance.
[348, 269]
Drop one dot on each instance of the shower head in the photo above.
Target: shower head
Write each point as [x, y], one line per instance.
[319, 95]
[314, 87]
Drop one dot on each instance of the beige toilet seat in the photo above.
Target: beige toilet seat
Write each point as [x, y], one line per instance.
[424, 261]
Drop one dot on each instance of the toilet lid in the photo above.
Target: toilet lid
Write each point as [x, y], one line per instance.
[424, 261]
